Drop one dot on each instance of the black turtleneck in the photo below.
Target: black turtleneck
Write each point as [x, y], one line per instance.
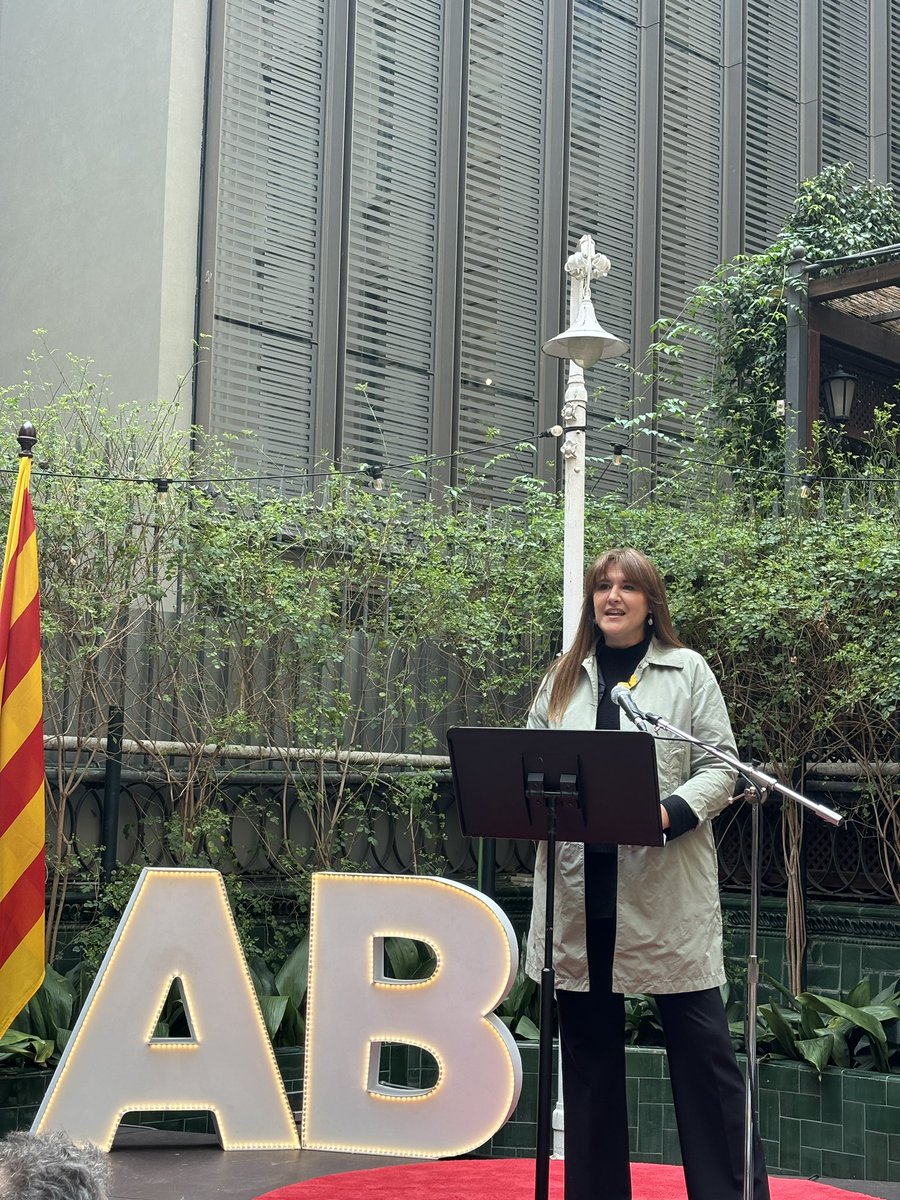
[617, 665]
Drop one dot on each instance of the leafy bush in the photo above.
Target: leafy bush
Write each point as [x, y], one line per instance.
[41, 1031]
[859, 1030]
[282, 995]
[739, 314]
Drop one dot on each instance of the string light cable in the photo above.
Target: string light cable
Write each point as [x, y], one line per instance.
[377, 472]
[374, 471]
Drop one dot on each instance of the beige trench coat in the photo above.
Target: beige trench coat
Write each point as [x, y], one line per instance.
[668, 916]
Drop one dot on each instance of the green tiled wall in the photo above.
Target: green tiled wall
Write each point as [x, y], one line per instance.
[518, 1136]
[408, 1066]
[845, 943]
[21, 1093]
[845, 1127]
[191, 1121]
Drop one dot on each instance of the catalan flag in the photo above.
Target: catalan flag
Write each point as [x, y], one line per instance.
[21, 760]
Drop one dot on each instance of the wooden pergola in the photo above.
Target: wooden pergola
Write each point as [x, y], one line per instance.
[839, 312]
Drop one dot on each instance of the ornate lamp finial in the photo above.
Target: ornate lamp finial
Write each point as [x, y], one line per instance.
[26, 437]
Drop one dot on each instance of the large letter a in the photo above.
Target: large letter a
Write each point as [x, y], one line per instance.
[177, 927]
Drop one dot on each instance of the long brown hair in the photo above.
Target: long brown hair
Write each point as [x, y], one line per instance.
[636, 569]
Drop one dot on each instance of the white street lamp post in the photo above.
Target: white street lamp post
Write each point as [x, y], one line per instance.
[584, 343]
[574, 414]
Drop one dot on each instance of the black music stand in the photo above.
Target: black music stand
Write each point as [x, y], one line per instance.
[576, 785]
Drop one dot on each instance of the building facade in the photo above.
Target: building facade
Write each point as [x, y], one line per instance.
[367, 203]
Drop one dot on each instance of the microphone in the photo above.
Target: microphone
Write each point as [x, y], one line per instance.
[621, 695]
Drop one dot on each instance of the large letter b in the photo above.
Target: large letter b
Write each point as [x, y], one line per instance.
[352, 1009]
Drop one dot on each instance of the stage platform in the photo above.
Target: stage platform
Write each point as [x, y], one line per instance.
[150, 1165]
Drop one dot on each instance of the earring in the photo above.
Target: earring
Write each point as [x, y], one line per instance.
[649, 620]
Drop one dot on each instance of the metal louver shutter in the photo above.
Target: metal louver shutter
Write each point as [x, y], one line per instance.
[628, 9]
[690, 212]
[845, 88]
[263, 364]
[603, 192]
[894, 96]
[393, 231]
[773, 119]
[696, 26]
[501, 269]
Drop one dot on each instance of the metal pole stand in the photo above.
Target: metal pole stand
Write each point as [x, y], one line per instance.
[755, 797]
[536, 792]
[761, 784]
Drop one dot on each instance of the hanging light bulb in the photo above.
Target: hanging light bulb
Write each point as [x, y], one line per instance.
[375, 473]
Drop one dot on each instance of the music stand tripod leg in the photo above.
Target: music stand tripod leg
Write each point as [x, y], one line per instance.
[545, 1047]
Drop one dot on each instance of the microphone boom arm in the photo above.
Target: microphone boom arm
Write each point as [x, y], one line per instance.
[759, 778]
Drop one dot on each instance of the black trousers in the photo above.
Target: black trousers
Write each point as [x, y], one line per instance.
[707, 1088]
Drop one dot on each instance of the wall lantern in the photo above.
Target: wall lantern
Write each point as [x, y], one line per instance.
[838, 390]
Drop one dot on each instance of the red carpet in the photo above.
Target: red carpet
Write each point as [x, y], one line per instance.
[509, 1179]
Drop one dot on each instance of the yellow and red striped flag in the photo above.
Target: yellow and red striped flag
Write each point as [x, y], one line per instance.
[21, 762]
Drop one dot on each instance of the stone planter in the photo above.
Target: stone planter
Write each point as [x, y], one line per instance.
[844, 1126]
[290, 1064]
[22, 1090]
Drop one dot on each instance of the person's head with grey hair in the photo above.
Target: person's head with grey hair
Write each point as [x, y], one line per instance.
[50, 1166]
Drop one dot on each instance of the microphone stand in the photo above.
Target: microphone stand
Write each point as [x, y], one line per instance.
[756, 796]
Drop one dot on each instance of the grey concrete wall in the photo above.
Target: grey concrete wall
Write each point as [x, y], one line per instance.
[101, 107]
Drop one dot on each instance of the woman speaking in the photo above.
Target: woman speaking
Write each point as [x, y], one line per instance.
[642, 919]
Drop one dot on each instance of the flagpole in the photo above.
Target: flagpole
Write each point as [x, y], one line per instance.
[22, 823]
